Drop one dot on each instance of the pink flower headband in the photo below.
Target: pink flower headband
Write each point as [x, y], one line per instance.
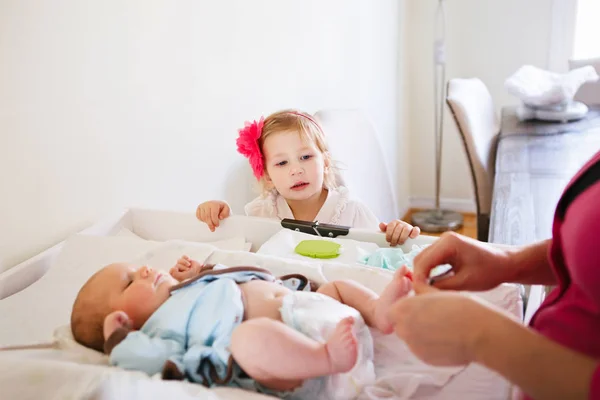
[247, 145]
[247, 142]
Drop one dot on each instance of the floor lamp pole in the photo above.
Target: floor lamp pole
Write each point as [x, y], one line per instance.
[438, 220]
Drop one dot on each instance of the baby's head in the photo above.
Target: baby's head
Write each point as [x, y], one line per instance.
[293, 155]
[138, 291]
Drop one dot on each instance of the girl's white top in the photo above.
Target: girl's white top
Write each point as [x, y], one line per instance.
[338, 209]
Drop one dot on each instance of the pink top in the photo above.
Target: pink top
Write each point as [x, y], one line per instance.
[570, 315]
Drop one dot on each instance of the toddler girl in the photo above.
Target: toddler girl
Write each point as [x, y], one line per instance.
[290, 159]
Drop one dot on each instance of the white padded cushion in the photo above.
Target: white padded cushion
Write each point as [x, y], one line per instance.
[39, 372]
[237, 243]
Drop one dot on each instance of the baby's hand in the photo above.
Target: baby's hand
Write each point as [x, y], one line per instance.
[114, 321]
[397, 231]
[185, 268]
[211, 212]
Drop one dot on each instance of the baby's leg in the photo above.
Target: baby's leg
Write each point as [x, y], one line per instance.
[280, 358]
[371, 306]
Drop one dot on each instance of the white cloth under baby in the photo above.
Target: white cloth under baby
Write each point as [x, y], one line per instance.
[400, 374]
[316, 316]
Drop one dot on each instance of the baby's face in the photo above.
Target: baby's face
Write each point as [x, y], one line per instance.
[138, 291]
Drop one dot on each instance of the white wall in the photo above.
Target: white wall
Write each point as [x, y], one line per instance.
[403, 150]
[487, 39]
[110, 104]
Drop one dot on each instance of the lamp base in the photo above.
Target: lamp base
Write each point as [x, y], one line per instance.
[437, 220]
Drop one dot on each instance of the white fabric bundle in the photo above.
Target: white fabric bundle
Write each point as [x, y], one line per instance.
[541, 89]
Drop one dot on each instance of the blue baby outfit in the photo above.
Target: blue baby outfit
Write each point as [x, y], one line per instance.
[192, 330]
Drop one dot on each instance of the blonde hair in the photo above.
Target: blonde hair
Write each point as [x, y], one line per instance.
[308, 128]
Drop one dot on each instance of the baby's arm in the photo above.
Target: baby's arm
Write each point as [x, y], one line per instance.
[280, 358]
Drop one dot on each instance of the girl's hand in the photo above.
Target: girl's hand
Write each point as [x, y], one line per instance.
[441, 328]
[397, 231]
[114, 321]
[185, 268]
[211, 212]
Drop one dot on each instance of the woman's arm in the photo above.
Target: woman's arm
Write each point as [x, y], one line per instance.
[530, 264]
[482, 266]
[540, 367]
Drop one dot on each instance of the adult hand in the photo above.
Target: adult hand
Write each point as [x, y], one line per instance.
[441, 328]
[475, 266]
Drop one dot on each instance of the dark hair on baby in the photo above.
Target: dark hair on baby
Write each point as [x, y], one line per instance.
[87, 316]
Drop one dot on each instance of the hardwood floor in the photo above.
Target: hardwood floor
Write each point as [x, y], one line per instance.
[469, 225]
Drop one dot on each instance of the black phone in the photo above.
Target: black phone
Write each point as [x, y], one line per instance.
[315, 228]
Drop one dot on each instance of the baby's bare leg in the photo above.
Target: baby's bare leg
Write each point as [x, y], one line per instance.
[371, 306]
[280, 357]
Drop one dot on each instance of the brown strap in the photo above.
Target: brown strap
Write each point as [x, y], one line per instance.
[314, 286]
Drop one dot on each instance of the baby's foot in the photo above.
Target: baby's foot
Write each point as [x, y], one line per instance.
[397, 288]
[342, 347]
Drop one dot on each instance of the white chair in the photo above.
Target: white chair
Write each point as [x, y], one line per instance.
[588, 93]
[363, 170]
[473, 110]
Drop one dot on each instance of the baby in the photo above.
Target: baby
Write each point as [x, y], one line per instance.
[233, 326]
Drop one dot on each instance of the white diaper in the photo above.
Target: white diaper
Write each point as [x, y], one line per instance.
[317, 315]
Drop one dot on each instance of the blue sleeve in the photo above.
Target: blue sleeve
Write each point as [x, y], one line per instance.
[141, 352]
[208, 358]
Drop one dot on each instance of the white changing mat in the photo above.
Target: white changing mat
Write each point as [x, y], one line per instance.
[28, 318]
[284, 242]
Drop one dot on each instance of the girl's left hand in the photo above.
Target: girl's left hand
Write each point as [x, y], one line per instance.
[441, 328]
[397, 231]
